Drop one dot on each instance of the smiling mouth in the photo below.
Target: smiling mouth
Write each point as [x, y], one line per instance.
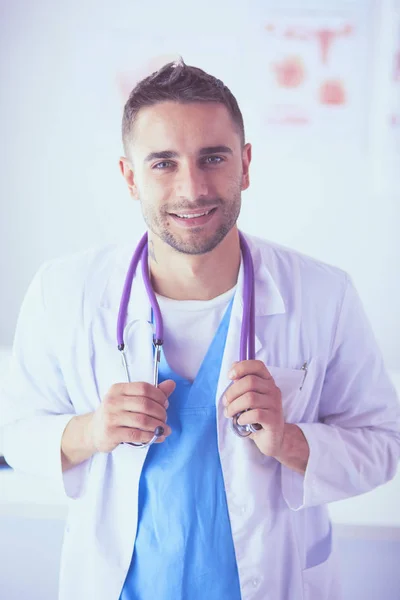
[190, 215]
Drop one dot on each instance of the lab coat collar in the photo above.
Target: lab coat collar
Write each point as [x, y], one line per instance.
[268, 298]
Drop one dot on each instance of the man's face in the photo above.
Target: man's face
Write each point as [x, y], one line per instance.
[187, 158]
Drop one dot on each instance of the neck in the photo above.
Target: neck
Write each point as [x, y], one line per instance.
[194, 277]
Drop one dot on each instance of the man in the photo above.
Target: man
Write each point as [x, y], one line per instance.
[201, 513]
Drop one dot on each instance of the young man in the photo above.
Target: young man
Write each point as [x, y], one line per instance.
[201, 513]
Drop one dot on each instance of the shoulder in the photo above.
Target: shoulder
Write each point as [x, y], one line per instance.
[293, 270]
[68, 279]
[78, 266]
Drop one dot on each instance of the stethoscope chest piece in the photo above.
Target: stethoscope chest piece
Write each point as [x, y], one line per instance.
[244, 430]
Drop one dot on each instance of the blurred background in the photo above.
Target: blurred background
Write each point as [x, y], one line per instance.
[318, 83]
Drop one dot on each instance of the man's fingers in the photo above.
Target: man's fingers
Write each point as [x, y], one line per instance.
[259, 415]
[249, 367]
[143, 389]
[146, 406]
[248, 384]
[131, 412]
[167, 387]
[142, 422]
[252, 400]
[137, 436]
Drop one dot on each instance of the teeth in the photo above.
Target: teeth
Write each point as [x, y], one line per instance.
[193, 216]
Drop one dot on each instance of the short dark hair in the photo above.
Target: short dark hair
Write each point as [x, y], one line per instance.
[178, 82]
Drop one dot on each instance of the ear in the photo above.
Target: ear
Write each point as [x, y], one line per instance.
[246, 159]
[127, 173]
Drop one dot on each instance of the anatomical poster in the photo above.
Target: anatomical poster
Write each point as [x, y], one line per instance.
[316, 60]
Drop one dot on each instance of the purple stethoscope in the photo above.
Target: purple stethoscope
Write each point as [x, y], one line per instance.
[247, 335]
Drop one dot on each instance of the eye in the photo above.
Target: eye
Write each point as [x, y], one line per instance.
[219, 159]
[164, 162]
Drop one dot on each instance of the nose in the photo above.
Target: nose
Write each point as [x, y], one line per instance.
[191, 183]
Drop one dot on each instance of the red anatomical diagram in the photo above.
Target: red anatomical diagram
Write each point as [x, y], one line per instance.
[324, 36]
[332, 92]
[290, 72]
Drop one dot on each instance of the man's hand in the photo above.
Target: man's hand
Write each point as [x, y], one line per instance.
[254, 388]
[130, 412]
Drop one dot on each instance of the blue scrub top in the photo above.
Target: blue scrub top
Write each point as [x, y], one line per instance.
[184, 548]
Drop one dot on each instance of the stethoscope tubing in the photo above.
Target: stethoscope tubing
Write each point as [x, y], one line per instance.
[247, 334]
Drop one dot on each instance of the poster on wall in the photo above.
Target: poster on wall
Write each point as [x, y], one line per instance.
[316, 71]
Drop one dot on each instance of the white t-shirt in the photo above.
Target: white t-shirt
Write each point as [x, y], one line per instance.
[189, 328]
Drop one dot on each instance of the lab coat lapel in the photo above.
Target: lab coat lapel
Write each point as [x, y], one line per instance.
[116, 537]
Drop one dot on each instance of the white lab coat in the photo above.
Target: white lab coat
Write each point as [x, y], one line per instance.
[65, 359]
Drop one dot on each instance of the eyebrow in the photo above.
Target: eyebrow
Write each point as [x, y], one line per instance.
[166, 154]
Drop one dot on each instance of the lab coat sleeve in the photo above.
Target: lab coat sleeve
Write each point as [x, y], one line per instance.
[355, 444]
[35, 407]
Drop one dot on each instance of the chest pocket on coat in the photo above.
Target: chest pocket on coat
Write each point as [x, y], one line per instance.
[293, 386]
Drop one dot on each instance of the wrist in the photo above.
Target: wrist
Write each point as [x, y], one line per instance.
[88, 436]
[77, 441]
[294, 452]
